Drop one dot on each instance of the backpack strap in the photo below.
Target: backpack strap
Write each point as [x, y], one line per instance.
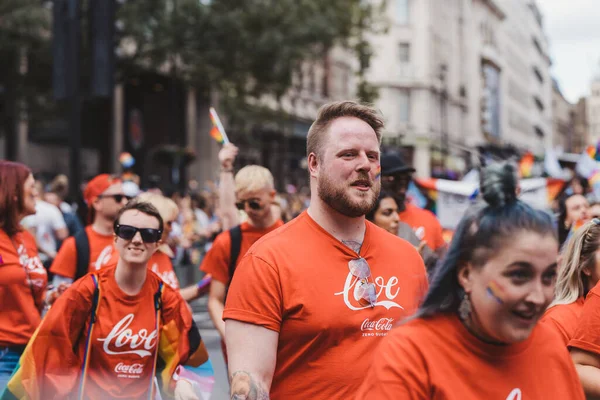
[82, 247]
[157, 309]
[88, 340]
[235, 235]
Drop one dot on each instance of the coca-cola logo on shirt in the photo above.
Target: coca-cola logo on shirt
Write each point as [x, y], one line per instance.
[104, 257]
[121, 339]
[33, 265]
[133, 369]
[383, 324]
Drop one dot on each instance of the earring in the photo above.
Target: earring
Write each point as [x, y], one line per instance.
[464, 309]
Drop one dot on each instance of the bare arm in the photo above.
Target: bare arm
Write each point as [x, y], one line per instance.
[216, 304]
[588, 369]
[62, 233]
[227, 208]
[252, 353]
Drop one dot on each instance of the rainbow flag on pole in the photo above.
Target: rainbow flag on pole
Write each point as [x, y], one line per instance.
[218, 131]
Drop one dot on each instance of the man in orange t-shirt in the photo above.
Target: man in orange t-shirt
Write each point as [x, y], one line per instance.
[310, 302]
[104, 197]
[396, 176]
[255, 193]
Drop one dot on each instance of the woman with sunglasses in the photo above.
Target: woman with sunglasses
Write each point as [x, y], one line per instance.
[114, 330]
[22, 276]
[578, 273]
[476, 335]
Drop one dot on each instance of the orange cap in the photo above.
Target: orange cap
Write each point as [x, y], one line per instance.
[97, 186]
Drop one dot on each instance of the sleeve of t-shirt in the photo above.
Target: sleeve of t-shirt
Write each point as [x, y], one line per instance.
[587, 335]
[438, 233]
[398, 371]
[65, 263]
[29, 222]
[255, 295]
[58, 221]
[549, 321]
[216, 261]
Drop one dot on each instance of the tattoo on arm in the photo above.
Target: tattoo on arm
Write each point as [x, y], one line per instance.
[245, 387]
[353, 244]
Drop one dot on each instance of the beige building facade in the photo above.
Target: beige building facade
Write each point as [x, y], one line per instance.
[458, 75]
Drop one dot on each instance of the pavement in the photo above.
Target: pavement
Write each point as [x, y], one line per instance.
[212, 340]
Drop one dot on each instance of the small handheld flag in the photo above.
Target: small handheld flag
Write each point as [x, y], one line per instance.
[217, 131]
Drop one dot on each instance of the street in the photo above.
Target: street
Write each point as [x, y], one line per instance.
[213, 344]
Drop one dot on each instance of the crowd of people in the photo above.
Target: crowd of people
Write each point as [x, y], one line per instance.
[344, 290]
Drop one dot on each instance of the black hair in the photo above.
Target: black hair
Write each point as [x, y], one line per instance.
[382, 195]
[481, 233]
[143, 207]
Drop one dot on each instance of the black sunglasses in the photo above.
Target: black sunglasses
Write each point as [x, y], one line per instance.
[116, 197]
[127, 232]
[253, 203]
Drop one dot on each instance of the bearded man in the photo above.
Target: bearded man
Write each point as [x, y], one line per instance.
[311, 300]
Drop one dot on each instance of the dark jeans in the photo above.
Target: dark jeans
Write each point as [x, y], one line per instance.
[9, 358]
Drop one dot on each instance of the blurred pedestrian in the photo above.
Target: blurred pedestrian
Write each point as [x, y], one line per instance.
[578, 273]
[476, 335]
[114, 330]
[47, 225]
[255, 193]
[310, 301]
[23, 278]
[572, 209]
[396, 176]
[93, 247]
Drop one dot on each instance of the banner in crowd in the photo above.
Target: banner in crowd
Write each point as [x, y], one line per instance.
[453, 198]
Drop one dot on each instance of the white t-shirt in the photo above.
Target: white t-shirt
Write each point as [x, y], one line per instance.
[46, 220]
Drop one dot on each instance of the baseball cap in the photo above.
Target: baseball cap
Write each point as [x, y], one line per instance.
[392, 163]
[97, 185]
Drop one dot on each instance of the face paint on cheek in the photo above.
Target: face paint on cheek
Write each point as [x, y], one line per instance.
[378, 172]
[496, 291]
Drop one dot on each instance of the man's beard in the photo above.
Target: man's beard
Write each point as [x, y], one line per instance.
[336, 197]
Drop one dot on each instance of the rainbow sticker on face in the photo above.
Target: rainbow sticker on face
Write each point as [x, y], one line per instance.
[496, 291]
[378, 172]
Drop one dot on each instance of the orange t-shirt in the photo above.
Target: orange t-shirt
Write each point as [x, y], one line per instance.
[425, 225]
[564, 318]
[161, 265]
[296, 281]
[124, 344]
[23, 282]
[216, 261]
[439, 359]
[102, 253]
[587, 335]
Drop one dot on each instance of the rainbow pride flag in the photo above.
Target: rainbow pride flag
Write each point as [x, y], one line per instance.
[218, 131]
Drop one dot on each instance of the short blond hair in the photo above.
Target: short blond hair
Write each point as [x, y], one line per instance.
[252, 178]
[166, 207]
[338, 109]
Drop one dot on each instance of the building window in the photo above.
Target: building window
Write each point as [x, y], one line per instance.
[538, 74]
[404, 105]
[404, 50]
[490, 112]
[402, 12]
[538, 103]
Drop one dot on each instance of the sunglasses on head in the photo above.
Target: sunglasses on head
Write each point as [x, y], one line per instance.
[127, 232]
[252, 203]
[116, 197]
